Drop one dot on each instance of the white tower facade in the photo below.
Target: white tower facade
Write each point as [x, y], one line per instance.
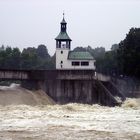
[67, 59]
[63, 46]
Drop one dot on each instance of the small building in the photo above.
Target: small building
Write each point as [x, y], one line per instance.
[67, 59]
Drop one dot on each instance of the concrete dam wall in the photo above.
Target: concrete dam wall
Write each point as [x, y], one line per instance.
[80, 91]
[77, 86]
[68, 86]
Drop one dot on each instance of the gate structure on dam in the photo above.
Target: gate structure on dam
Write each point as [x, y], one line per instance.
[68, 86]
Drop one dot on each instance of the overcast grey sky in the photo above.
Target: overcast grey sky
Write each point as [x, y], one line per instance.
[28, 23]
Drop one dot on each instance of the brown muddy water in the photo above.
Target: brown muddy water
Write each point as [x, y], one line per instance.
[28, 115]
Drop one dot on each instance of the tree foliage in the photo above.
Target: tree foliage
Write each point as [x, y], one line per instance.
[129, 53]
[123, 58]
[29, 58]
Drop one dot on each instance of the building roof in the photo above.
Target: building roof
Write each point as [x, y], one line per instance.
[63, 36]
[75, 55]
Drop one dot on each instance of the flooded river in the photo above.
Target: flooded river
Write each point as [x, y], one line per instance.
[32, 119]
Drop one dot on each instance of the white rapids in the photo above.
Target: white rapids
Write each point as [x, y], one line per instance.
[70, 122]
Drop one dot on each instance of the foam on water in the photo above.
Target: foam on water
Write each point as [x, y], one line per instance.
[68, 122]
[132, 103]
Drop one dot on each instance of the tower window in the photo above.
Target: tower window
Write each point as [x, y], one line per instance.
[61, 62]
[61, 52]
[63, 44]
[75, 63]
[85, 63]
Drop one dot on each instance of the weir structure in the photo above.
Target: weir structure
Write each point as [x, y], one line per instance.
[73, 80]
[68, 86]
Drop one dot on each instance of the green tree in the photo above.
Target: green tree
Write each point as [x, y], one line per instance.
[8, 57]
[2, 57]
[37, 58]
[29, 58]
[42, 52]
[15, 58]
[129, 53]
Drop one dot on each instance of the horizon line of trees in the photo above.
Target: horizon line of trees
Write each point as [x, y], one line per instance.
[122, 59]
[29, 58]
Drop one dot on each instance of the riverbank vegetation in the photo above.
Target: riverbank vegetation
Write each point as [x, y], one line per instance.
[122, 59]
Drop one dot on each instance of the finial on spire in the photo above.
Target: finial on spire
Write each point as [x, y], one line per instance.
[63, 14]
[63, 20]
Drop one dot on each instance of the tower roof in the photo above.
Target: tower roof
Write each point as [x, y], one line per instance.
[63, 33]
[63, 21]
[63, 36]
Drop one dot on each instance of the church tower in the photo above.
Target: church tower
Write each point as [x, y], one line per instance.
[63, 46]
[67, 59]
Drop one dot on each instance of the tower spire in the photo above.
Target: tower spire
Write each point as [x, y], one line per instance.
[63, 14]
[63, 20]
